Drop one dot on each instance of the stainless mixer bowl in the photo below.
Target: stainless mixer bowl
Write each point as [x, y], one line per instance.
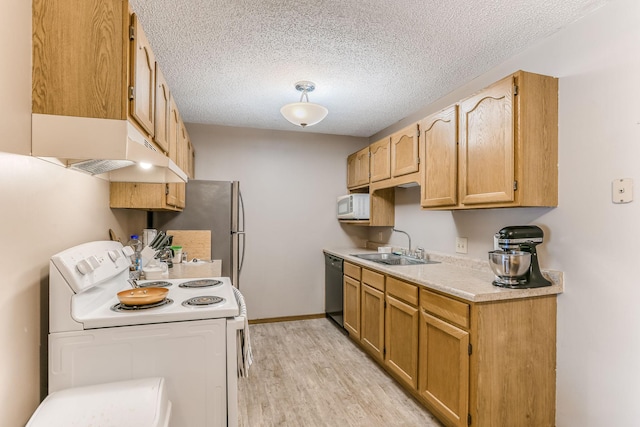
[509, 264]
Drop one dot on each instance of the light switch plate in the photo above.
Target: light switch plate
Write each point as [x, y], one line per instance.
[622, 190]
[461, 245]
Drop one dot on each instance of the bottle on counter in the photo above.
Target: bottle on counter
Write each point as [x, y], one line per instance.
[136, 259]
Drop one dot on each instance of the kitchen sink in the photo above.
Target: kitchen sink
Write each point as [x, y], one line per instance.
[393, 259]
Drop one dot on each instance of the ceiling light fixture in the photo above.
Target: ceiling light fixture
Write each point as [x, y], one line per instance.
[304, 113]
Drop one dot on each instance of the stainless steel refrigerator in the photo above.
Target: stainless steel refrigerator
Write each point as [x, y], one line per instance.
[215, 206]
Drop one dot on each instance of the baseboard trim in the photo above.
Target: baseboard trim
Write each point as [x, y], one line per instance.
[287, 319]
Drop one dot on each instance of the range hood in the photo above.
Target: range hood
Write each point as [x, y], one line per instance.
[110, 149]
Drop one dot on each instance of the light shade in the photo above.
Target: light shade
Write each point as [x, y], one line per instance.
[304, 113]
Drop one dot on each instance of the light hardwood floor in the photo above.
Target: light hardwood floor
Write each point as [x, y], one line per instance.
[307, 373]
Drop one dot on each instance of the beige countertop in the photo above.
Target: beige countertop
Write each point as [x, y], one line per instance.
[190, 270]
[466, 278]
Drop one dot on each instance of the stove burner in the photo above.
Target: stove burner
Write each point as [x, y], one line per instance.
[124, 308]
[203, 301]
[156, 284]
[200, 283]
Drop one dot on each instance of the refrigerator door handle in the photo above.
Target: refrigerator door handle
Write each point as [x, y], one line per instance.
[241, 231]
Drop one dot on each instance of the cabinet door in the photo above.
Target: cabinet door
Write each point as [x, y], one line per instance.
[161, 114]
[175, 123]
[486, 151]
[358, 168]
[191, 161]
[372, 326]
[439, 146]
[351, 289]
[401, 328]
[142, 85]
[380, 161]
[444, 368]
[404, 151]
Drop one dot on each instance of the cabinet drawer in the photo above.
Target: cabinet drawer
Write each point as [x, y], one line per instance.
[373, 279]
[351, 270]
[447, 308]
[402, 290]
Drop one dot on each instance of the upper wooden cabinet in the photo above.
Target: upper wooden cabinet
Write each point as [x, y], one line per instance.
[166, 197]
[439, 154]
[176, 192]
[508, 143]
[161, 113]
[499, 149]
[404, 151]
[143, 78]
[81, 58]
[91, 58]
[389, 162]
[358, 169]
[380, 161]
[191, 160]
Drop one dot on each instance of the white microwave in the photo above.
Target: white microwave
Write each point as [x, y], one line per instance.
[353, 206]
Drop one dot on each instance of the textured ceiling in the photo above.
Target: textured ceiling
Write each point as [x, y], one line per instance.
[374, 62]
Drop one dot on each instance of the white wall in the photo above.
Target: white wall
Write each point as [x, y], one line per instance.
[43, 210]
[289, 181]
[592, 240]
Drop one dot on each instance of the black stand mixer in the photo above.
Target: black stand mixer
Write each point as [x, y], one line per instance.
[517, 242]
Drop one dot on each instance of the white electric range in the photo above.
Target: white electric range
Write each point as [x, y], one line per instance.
[189, 338]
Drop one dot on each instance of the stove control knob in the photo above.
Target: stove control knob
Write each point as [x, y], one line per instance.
[84, 267]
[88, 265]
[114, 255]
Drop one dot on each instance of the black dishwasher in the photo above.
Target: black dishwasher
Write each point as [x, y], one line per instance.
[333, 288]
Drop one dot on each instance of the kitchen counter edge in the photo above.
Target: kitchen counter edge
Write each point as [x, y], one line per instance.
[464, 278]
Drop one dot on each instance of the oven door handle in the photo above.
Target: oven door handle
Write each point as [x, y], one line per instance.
[234, 324]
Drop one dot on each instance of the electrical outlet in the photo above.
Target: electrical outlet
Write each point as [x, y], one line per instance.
[461, 245]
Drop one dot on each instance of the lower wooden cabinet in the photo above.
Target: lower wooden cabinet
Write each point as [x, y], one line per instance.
[372, 326]
[401, 331]
[444, 368]
[483, 364]
[351, 289]
[372, 313]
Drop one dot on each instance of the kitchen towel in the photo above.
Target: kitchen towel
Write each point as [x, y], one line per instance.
[245, 356]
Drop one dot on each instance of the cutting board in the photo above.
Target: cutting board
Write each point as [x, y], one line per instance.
[197, 243]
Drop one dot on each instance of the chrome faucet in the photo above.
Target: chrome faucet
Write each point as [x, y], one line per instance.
[407, 234]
